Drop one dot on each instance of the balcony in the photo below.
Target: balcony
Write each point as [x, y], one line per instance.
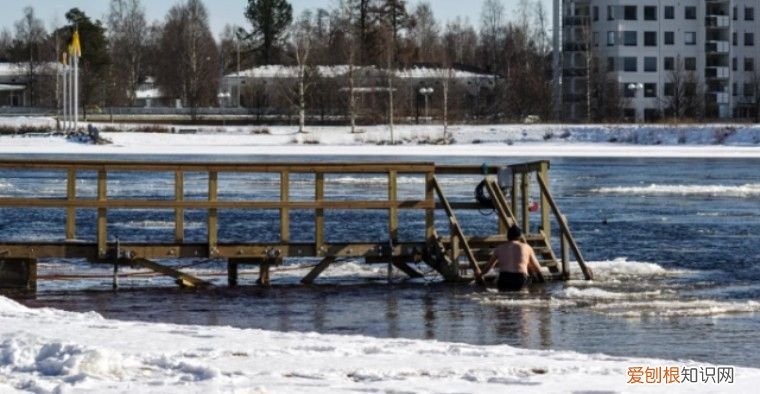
[716, 72]
[575, 47]
[717, 97]
[575, 21]
[716, 47]
[717, 21]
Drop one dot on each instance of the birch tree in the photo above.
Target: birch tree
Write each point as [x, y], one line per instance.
[127, 29]
[30, 35]
[301, 40]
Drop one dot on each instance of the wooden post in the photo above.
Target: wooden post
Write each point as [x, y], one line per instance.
[18, 274]
[212, 213]
[264, 273]
[284, 214]
[232, 273]
[179, 213]
[115, 283]
[102, 215]
[393, 212]
[430, 212]
[525, 194]
[515, 192]
[546, 225]
[71, 212]
[319, 214]
[565, 251]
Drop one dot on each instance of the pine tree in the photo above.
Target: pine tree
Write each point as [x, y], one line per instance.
[95, 59]
[269, 20]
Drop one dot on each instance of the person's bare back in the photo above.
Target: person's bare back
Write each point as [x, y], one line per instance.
[514, 257]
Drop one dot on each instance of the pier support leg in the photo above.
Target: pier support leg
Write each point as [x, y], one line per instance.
[18, 274]
[405, 268]
[314, 273]
[232, 273]
[264, 274]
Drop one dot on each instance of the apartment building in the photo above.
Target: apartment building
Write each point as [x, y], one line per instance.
[660, 54]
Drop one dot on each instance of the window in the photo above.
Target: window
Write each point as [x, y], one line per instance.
[627, 91]
[650, 64]
[670, 38]
[670, 12]
[749, 14]
[596, 38]
[629, 64]
[650, 38]
[669, 89]
[595, 11]
[690, 12]
[610, 64]
[650, 90]
[734, 39]
[629, 38]
[735, 13]
[650, 13]
[690, 63]
[749, 64]
[749, 39]
[610, 13]
[734, 89]
[668, 64]
[610, 38]
[748, 90]
[690, 38]
[734, 64]
[629, 12]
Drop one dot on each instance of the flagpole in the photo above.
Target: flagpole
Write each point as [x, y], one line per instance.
[76, 91]
[65, 94]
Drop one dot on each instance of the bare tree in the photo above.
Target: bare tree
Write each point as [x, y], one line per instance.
[347, 21]
[684, 93]
[30, 35]
[424, 32]
[6, 45]
[189, 56]
[754, 82]
[492, 31]
[300, 37]
[127, 28]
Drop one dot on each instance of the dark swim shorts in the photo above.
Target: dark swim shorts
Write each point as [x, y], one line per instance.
[512, 281]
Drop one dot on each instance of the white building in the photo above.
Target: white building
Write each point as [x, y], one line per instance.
[639, 44]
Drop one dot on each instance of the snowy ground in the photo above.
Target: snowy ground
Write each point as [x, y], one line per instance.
[740, 141]
[51, 351]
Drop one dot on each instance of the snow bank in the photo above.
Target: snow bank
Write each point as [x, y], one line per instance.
[85, 353]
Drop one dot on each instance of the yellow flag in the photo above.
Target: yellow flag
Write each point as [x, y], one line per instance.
[65, 59]
[76, 46]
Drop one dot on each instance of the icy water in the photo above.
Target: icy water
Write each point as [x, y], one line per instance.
[675, 244]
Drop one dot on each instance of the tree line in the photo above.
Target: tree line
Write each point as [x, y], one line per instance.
[187, 62]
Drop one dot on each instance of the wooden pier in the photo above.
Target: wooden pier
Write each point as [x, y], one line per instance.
[442, 253]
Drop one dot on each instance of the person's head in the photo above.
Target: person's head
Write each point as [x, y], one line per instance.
[514, 233]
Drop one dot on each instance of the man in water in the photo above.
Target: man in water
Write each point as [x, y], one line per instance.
[516, 261]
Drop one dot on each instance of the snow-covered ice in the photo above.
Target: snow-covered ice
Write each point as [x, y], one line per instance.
[47, 350]
[518, 140]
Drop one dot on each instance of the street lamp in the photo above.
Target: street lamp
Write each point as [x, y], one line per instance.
[426, 92]
[634, 87]
[223, 97]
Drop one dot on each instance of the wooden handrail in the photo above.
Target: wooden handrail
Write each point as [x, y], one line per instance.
[459, 233]
[587, 273]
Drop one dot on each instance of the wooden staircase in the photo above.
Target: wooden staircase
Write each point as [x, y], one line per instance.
[445, 260]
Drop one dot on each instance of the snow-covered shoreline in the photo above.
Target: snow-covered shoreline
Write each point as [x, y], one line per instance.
[47, 350]
[646, 141]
